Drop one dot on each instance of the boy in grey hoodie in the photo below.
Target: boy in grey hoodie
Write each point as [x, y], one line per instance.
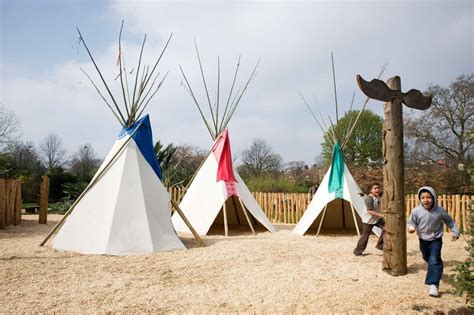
[427, 220]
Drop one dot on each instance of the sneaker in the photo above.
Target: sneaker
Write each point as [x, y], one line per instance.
[379, 246]
[433, 290]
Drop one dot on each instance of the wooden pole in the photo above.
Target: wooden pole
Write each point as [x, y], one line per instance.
[2, 204]
[8, 213]
[247, 216]
[322, 220]
[355, 220]
[226, 229]
[18, 203]
[188, 224]
[44, 194]
[393, 199]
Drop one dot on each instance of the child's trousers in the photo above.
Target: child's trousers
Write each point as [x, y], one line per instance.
[431, 251]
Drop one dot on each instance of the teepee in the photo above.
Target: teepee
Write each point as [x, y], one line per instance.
[217, 194]
[125, 208]
[337, 202]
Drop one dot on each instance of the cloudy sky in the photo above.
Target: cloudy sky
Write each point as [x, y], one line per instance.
[424, 42]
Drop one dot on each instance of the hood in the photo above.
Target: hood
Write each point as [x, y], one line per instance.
[432, 192]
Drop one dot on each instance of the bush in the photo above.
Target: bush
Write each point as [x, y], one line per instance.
[463, 278]
[61, 206]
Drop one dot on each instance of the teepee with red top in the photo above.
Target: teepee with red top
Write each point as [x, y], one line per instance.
[217, 195]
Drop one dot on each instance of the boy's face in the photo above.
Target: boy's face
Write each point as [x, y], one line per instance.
[426, 200]
[375, 190]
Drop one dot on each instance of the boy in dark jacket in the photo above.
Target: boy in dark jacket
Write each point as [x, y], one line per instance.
[427, 220]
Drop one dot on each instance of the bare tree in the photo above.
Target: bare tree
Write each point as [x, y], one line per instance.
[444, 133]
[9, 126]
[260, 159]
[52, 152]
[84, 162]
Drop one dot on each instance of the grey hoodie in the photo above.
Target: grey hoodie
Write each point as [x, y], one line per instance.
[429, 222]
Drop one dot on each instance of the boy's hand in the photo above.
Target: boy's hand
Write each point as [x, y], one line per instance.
[411, 229]
[454, 238]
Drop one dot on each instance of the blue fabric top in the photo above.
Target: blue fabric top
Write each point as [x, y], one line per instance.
[143, 137]
[336, 177]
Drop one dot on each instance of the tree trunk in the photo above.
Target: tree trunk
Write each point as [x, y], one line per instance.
[393, 200]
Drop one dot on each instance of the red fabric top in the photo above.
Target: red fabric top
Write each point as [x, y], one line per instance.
[224, 158]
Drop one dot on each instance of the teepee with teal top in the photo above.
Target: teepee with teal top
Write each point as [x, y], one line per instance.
[338, 202]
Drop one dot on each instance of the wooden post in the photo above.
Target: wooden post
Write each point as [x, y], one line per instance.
[393, 199]
[44, 194]
[464, 214]
[226, 229]
[18, 203]
[322, 220]
[190, 227]
[355, 220]
[2, 204]
[247, 216]
[8, 212]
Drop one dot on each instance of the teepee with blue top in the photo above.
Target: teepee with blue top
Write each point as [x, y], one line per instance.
[125, 208]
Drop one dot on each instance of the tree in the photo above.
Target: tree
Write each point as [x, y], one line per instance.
[442, 139]
[443, 132]
[9, 126]
[52, 152]
[187, 159]
[364, 147]
[260, 160]
[84, 163]
[168, 169]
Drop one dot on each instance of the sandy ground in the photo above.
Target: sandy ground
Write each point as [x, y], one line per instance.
[266, 273]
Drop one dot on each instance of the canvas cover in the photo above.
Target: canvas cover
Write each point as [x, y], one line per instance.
[338, 191]
[126, 212]
[216, 181]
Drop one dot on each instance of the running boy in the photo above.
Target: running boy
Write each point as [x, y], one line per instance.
[372, 202]
[427, 220]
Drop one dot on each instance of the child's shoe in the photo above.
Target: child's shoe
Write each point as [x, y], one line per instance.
[433, 291]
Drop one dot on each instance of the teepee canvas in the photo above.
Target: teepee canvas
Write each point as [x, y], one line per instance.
[127, 210]
[337, 202]
[217, 193]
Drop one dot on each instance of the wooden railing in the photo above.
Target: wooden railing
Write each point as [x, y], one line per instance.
[289, 207]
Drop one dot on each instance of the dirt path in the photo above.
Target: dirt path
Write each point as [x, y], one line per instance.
[267, 273]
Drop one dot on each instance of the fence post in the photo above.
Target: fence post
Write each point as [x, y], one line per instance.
[2, 204]
[18, 203]
[44, 194]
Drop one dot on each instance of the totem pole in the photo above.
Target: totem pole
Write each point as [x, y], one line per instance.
[393, 198]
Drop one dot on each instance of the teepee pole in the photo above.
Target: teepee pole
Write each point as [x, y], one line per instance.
[181, 214]
[91, 184]
[247, 216]
[226, 229]
[322, 220]
[236, 211]
[355, 219]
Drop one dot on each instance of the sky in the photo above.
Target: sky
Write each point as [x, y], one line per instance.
[423, 42]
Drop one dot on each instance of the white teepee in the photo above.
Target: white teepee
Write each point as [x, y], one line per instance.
[338, 198]
[126, 211]
[217, 189]
[125, 208]
[217, 193]
[337, 202]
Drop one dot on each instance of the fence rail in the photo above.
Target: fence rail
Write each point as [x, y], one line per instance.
[289, 207]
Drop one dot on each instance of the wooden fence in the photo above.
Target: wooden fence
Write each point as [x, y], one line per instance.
[10, 202]
[289, 207]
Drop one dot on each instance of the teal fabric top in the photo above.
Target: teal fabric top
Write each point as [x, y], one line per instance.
[336, 177]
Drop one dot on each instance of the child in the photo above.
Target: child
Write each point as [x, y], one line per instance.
[372, 202]
[427, 220]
